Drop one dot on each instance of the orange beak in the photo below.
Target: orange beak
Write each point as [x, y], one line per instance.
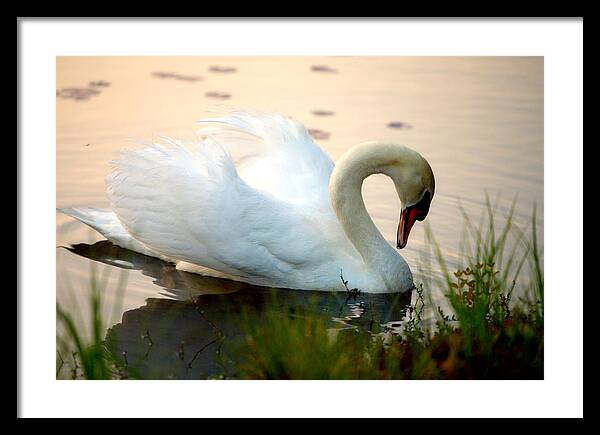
[409, 216]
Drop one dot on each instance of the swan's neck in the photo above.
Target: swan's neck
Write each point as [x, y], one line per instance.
[345, 189]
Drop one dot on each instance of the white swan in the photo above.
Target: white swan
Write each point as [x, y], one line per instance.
[280, 215]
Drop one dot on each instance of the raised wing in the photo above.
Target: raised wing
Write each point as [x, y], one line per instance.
[275, 154]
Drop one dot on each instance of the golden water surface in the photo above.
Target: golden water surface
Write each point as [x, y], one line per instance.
[477, 120]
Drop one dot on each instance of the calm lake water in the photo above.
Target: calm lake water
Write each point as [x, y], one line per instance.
[477, 120]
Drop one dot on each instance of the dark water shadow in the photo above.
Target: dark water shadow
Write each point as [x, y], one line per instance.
[399, 125]
[99, 84]
[318, 134]
[222, 69]
[323, 69]
[77, 93]
[176, 76]
[218, 95]
[183, 337]
[323, 112]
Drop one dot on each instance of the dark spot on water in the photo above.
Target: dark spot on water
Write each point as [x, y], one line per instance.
[218, 95]
[222, 69]
[77, 93]
[323, 112]
[323, 68]
[176, 76]
[99, 84]
[399, 125]
[318, 134]
[163, 74]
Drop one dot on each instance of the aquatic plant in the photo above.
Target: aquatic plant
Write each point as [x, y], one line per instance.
[88, 355]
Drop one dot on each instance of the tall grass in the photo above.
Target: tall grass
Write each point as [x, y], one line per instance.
[282, 344]
[85, 354]
[481, 294]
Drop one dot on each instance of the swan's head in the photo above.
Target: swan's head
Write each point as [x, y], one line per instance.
[415, 185]
[410, 172]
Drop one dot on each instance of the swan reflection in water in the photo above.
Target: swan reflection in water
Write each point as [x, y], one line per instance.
[181, 335]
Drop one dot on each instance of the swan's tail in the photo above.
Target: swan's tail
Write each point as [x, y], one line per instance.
[107, 223]
[102, 220]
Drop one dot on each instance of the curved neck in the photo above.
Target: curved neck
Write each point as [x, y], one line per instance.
[345, 188]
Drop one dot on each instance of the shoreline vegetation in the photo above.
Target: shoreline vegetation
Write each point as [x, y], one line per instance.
[487, 332]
